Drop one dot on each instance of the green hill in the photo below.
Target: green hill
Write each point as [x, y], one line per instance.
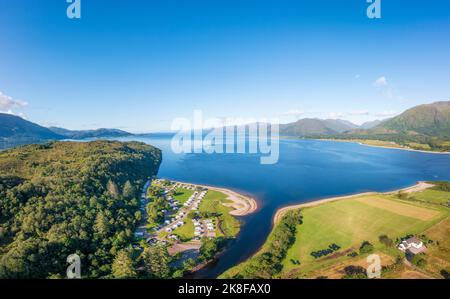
[82, 134]
[424, 127]
[16, 131]
[315, 126]
[430, 119]
[370, 124]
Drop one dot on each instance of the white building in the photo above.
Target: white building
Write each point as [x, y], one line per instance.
[412, 245]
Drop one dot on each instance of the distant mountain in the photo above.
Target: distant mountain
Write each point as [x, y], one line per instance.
[430, 119]
[15, 131]
[370, 124]
[419, 123]
[315, 126]
[341, 125]
[424, 127]
[83, 134]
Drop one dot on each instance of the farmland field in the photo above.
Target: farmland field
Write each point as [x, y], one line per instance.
[349, 222]
[438, 257]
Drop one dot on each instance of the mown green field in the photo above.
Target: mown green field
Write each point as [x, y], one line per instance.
[349, 222]
[182, 195]
[432, 196]
[185, 232]
[228, 225]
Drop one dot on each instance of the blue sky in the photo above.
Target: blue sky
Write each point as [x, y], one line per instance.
[137, 65]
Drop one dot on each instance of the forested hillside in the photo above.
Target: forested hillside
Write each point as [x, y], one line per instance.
[430, 119]
[62, 198]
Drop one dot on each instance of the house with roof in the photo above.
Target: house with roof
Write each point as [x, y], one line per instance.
[412, 245]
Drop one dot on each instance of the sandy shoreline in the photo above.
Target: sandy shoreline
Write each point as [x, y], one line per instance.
[388, 147]
[242, 205]
[419, 186]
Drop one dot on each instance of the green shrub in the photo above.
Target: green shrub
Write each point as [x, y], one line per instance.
[388, 242]
[366, 247]
[354, 272]
[419, 261]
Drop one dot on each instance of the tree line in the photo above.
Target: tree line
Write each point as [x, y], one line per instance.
[268, 262]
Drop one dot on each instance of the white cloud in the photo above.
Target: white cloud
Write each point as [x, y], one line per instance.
[359, 112]
[387, 89]
[7, 103]
[382, 81]
[387, 113]
[336, 115]
[22, 115]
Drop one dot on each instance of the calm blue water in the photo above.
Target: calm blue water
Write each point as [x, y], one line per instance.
[307, 170]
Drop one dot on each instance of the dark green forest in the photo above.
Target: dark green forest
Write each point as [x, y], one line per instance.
[61, 198]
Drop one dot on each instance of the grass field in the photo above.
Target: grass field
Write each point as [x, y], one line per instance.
[185, 232]
[377, 142]
[349, 222]
[398, 207]
[419, 146]
[182, 195]
[228, 225]
[412, 145]
[432, 196]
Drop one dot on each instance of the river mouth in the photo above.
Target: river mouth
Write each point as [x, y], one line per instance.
[307, 170]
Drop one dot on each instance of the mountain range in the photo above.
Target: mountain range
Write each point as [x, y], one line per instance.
[16, 131]
[427, 124]
[430, 119]
[316, 126]
[83, 134]
[423, 127]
